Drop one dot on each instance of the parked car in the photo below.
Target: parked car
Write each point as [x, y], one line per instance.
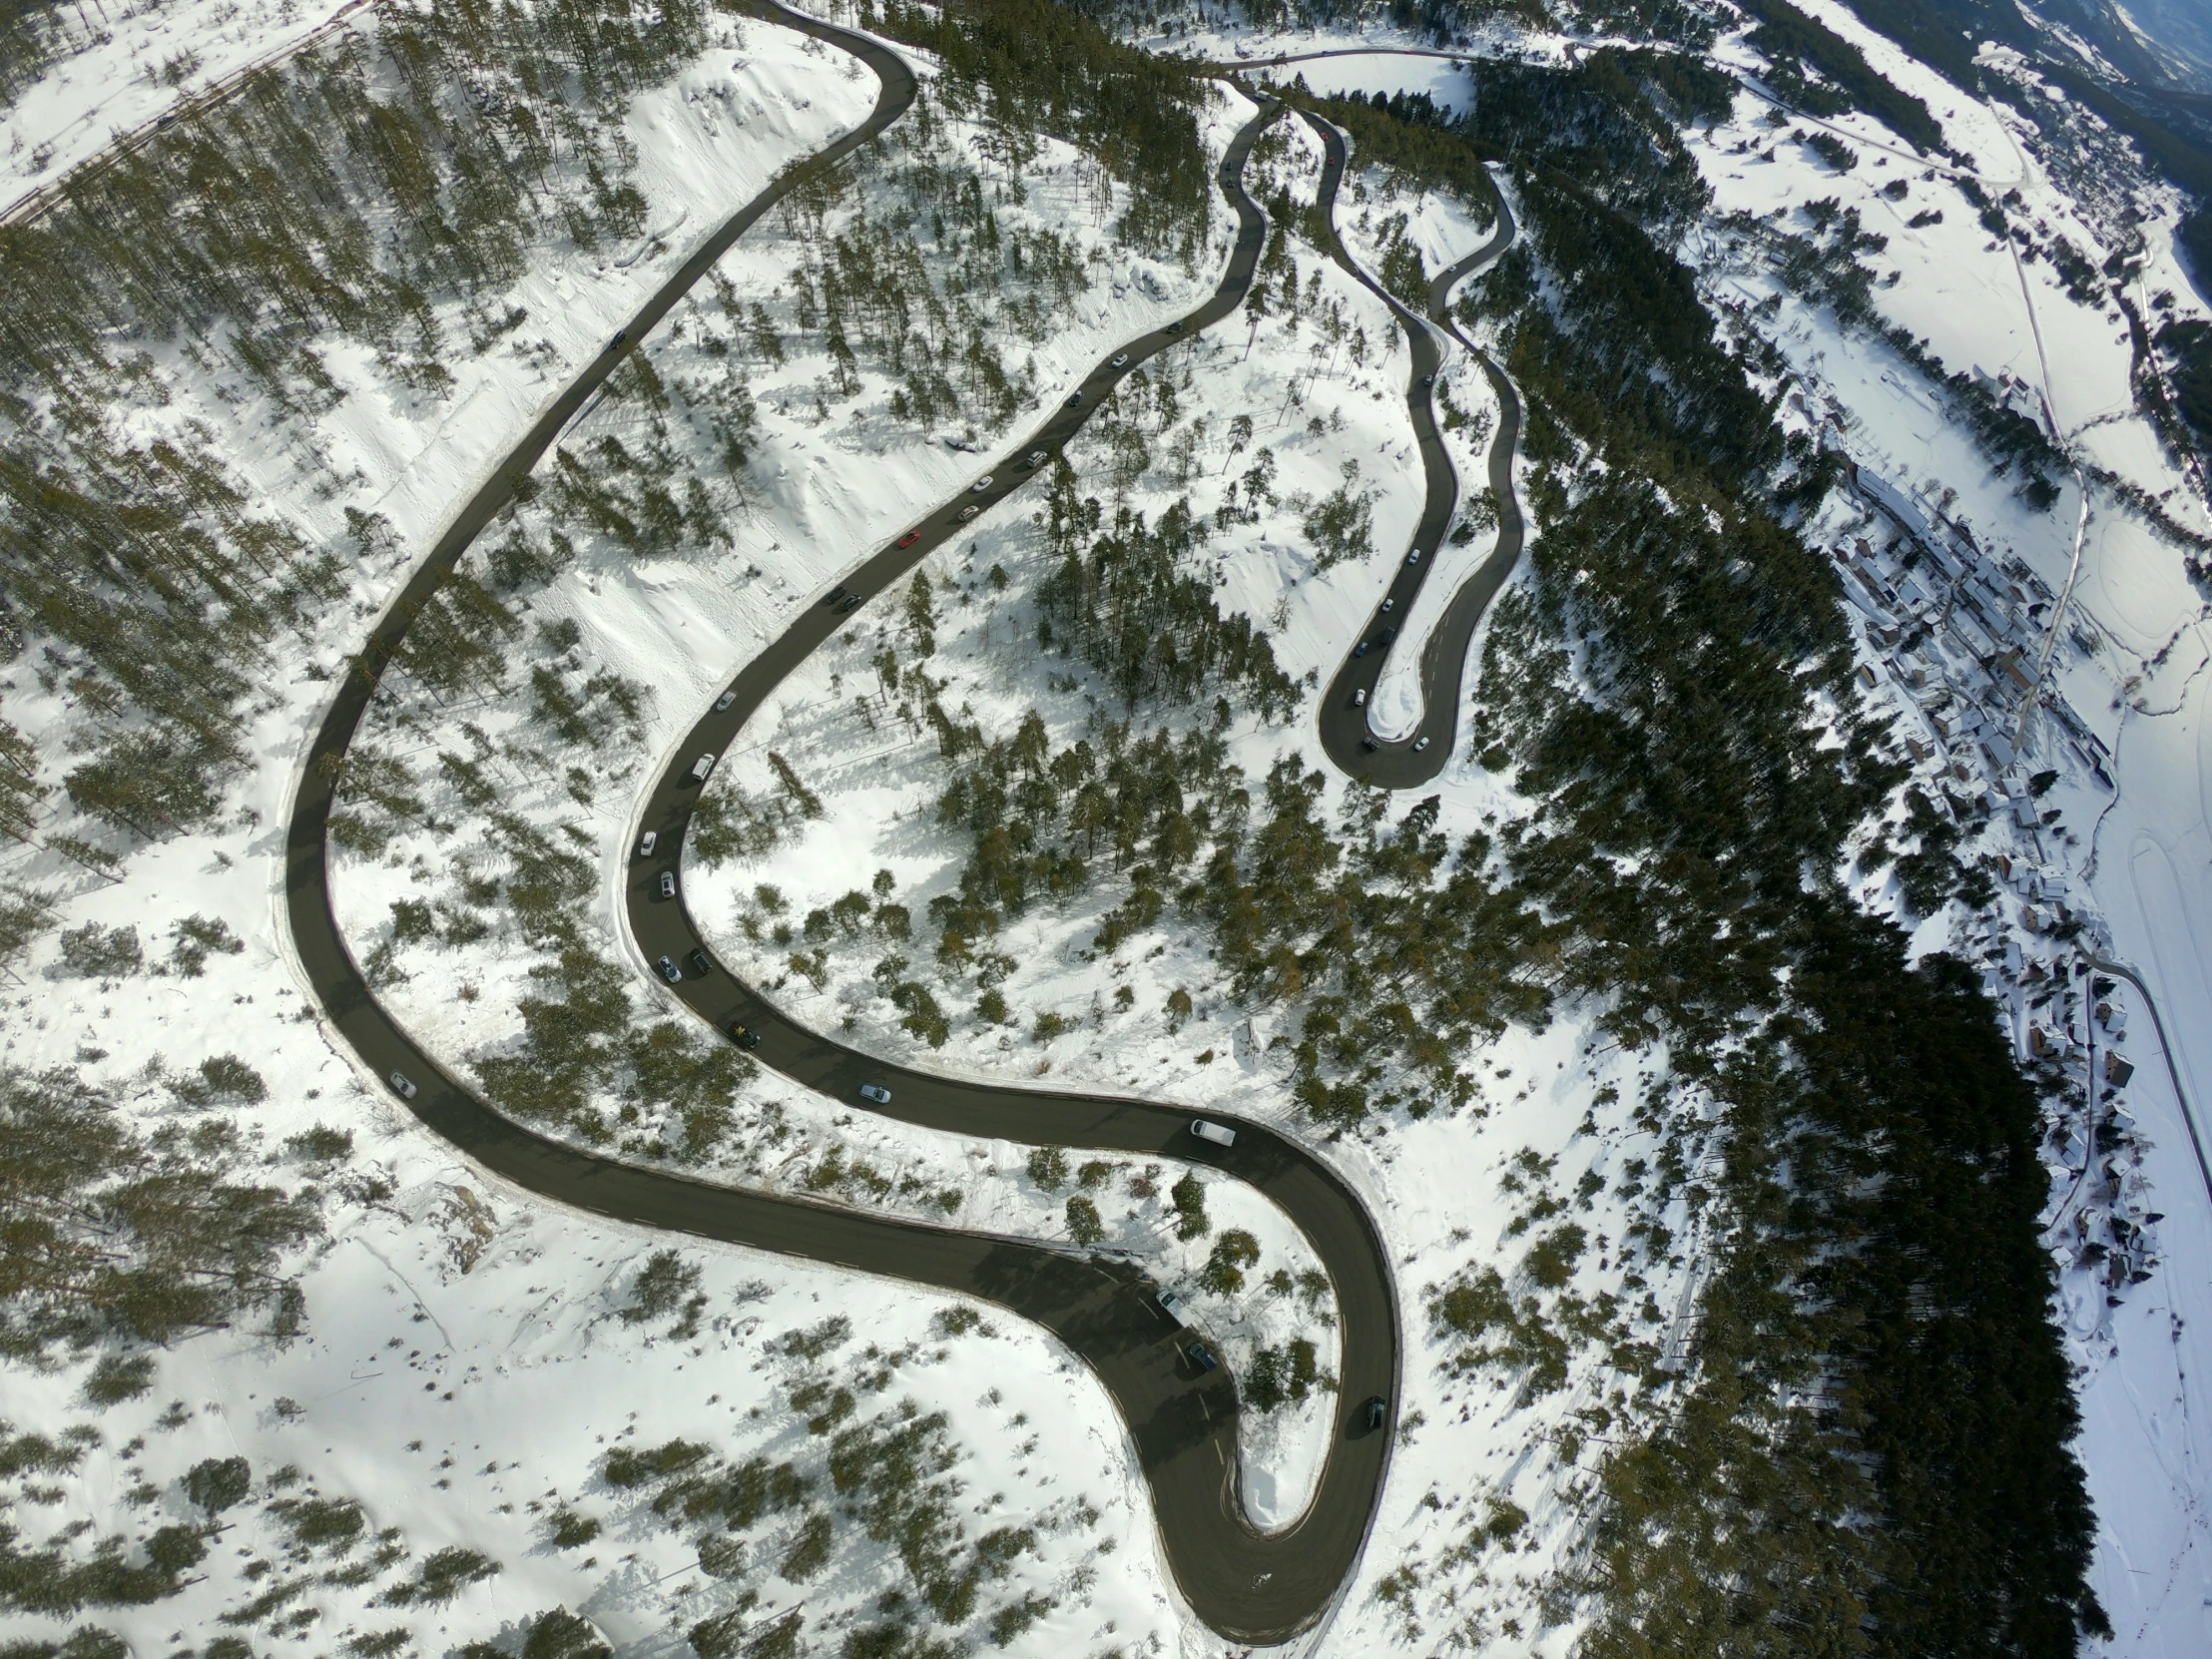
[1368, 744]
[1031, 461]
[970, 511]
[1385, 637]
[875, 1092]
[1420, 744]
[1120, 359]
[726, 699]
[833, 595]
[1201, 1356]
[1427, 380]
[1075, 401]
[402, 1085]
[1376, 1412]
[1413, 558]
[848, 604]
[910, 538]
[1359, 698]
[1389, 604]
[981, 484]
[701, 766]
[668, 883]
[620, 334]
[1360, 650]
[699, 963]
[1176, 327]
[745, 1036]
[1212, 1132]
[1174, 1308]
[647, 841]
[666, 967]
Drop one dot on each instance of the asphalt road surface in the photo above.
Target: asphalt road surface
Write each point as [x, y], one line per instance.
[1246, 1585]
[1345, 735]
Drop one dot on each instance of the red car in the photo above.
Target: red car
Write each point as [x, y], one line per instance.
[910, 538]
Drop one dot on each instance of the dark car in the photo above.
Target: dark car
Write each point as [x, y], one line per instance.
[1369, 745]
[833, 595]
[1075, 401]
[699, 962]
[1201, 1356]
[1176, 327]
[1385, 637]
[666, 967]
[1427, 380]
[668, 883]
[1375, 1413]
[848, 604]
[1360, 650]
[745, 1036]
[620, 334]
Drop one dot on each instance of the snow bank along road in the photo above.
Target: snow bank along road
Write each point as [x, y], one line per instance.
[1247, 1585]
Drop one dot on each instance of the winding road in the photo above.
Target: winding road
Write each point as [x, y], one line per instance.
[1247, 1585]
[1345, 733]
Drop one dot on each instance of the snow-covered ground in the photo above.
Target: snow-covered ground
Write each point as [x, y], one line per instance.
[465, 1352]
[2130, 862]
[132, 67]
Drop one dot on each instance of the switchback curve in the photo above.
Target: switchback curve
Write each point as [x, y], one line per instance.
[1247, 1585]
[1343, 716]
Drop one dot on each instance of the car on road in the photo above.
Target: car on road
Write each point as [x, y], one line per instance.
[726, 699]
[701, 766]
[1174, 1306]
[1389, 604]
[1201, 1356]
[620, 334]
[647, 841]
[668, 883]
[1427, 380]
[875, 1092]
[666, 967]
[1120, 359]
[1385, 637]
[1375, 1411]
[848, 604]
[833, 595]
[1212, 1132]
[970, 511]
[1359, 698]
[1075, 401]
[402, 1085]
[1031, 461]
[699, 962]
[1420, 744]
[1369, 745]
[1360, 650]
[910, 538]
[745, 1036]
[1176, 327]
[981, 484]
[1413, 558]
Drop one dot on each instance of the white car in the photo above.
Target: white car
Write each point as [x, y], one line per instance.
[647, 841]
[402, 1085]
[1212, 1132]
[1174, 1308]
[1359, 698]
[1420, 744]
[701, 766]
[981, 484]
[726, 699]
[875, 1092]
